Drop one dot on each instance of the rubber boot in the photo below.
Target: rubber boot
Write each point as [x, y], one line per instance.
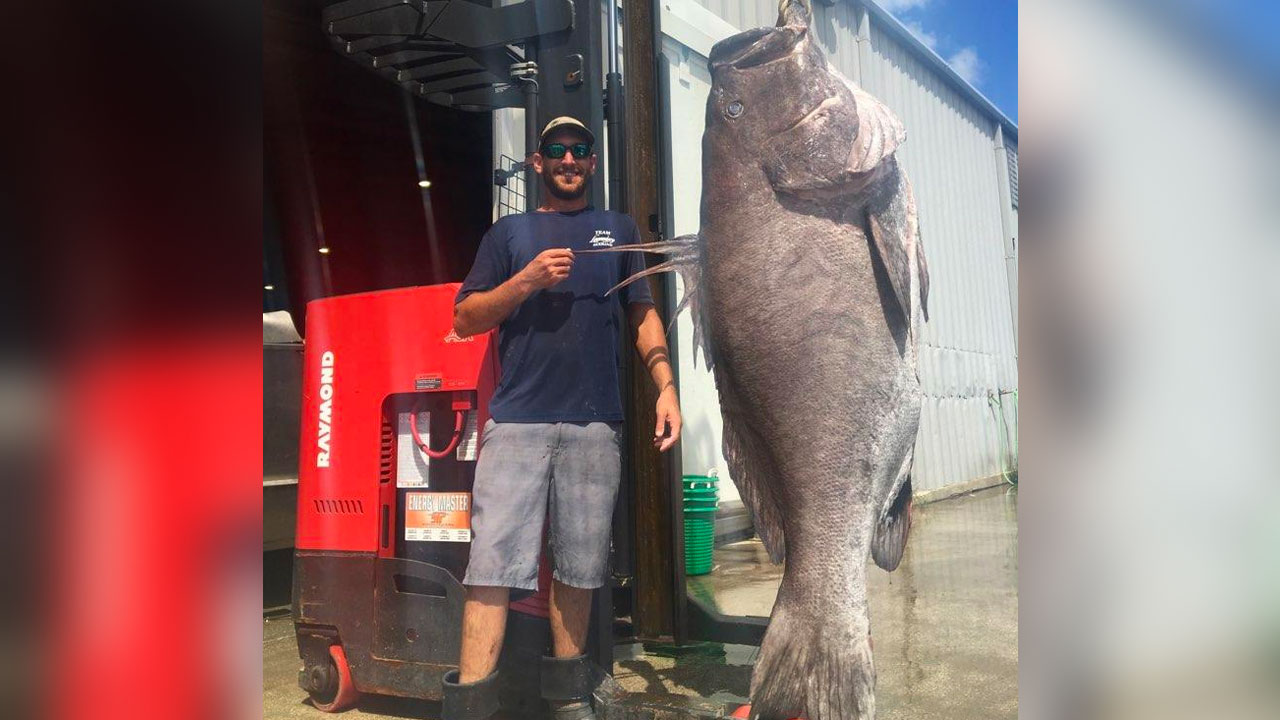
[472, 701]
[567, 684]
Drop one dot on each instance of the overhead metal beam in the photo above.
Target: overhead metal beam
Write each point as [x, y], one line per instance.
[427, 46]
[437, 69]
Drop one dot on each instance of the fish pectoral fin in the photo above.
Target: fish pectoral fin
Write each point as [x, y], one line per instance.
[891, 216]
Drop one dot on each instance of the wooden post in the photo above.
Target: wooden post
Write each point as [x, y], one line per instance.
[659, 577]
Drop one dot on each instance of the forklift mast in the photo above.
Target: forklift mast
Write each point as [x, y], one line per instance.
[540, 55]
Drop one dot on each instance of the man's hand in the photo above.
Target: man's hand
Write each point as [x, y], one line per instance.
[668, 411]
[549, 268]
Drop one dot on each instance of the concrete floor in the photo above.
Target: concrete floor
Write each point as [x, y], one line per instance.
[945, 623]
[945, 626]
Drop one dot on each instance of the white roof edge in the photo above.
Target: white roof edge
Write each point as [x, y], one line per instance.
[900, 31]
[693, 26]
[698, 28]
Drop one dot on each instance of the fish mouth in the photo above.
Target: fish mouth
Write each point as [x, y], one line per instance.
[754, 47]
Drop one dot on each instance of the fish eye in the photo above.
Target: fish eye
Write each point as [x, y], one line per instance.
[734, 109]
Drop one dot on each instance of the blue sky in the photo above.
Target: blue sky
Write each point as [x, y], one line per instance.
[979, 38]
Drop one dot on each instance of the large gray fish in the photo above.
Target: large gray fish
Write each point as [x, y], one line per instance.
[807, 284]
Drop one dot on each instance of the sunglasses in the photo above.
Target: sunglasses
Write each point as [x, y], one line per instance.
[555, 151]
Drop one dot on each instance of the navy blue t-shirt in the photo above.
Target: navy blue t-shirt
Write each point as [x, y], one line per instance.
[559, 348]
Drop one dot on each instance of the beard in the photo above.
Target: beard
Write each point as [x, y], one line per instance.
[563, 193]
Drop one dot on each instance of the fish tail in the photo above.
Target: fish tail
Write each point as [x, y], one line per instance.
[810, 669]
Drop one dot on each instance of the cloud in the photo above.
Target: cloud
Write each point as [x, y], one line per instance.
[964, 61]
[897, 6]
[967, 64]
[923, 35]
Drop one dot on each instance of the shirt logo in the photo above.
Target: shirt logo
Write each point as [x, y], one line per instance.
[452, 337]
[602, 238]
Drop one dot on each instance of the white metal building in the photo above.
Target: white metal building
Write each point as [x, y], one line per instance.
[961, 156]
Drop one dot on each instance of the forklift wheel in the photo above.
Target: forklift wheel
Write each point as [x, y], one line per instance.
[340, 693]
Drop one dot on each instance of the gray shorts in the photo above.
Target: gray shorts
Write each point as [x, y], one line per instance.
[566, 472]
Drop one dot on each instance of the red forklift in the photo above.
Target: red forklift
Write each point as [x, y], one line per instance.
[392, 403]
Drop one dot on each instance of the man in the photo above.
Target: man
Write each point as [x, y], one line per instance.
[552, 447]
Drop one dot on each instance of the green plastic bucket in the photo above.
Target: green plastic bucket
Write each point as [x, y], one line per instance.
[701, 492]
[701, 495]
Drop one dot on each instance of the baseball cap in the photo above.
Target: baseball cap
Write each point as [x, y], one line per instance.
[564, 122]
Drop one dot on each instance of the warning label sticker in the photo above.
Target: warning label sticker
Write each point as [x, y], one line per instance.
[437, 517]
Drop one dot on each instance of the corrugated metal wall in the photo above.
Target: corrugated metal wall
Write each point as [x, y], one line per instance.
[968, 346]
[968, 352]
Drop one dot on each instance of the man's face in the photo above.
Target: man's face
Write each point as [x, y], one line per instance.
[565, 177]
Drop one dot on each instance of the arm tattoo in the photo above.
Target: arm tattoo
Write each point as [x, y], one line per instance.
[655, 357]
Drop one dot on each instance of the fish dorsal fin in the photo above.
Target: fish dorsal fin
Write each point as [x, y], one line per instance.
[684, 255]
